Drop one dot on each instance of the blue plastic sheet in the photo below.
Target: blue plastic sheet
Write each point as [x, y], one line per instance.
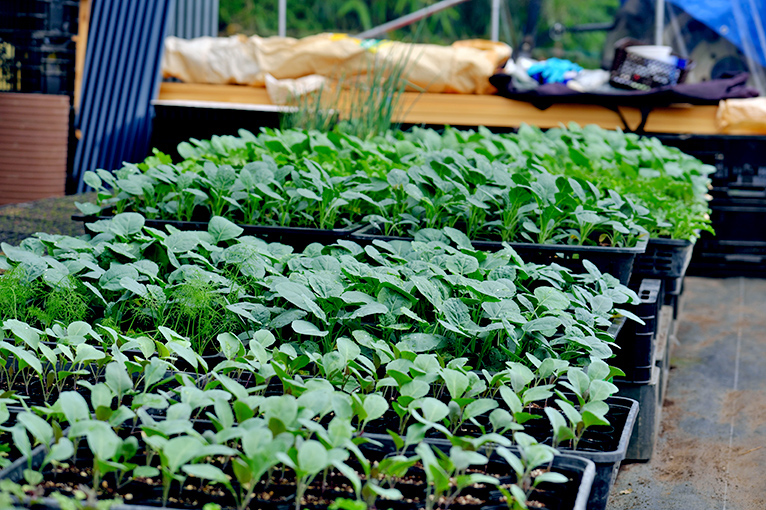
[739, 21]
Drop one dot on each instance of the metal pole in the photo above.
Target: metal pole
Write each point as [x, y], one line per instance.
[282, 18]
[495, 20]
[659, 21]
[408, 19]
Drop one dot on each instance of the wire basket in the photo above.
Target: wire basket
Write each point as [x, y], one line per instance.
[632, 71]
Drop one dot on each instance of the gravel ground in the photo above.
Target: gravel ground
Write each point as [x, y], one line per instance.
[50, 215]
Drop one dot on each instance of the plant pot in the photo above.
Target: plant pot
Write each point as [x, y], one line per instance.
[297, 237]
[615, 261]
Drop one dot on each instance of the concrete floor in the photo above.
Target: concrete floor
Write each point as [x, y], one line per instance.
[711, 451]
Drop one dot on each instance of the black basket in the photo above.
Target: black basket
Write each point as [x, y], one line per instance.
[631, 71]
[39, 17]
[43, 65]
[297, 237]
[617, 262]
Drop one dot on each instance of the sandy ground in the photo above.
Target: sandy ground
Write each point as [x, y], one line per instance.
[711, 452]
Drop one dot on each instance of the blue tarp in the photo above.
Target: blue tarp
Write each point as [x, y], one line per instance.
[739, 21]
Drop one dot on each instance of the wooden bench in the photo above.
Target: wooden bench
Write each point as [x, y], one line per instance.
[469, 110]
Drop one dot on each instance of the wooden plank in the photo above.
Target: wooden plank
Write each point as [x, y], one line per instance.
[480, 110]
[81, 40]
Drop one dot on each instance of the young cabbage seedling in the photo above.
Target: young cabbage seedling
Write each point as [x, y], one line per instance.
[531, 457]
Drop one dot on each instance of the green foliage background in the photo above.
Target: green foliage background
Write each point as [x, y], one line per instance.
[465, 21]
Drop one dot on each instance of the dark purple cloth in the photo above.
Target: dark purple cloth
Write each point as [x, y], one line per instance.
[708, 92]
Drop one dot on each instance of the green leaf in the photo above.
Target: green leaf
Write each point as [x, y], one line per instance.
[433, 410]
[541, 324]
[479, 407]
[117, 379]
[462, 264]
[551, 299]
[126, 224]
[38, 427]
[312, 457]
[222, 229]
[348, 350]
[230, 345]
[375, 406]
[306, 328]
[180, 450]
[206, 472]
[455, 381]
[74, 406]
[24, 332]
[111, 279]
[60, 451]
[86, 352]
[88, 208]
[551, 477]
[146, 472]
[421, 342]
[369, 309]
[102, 440]
[180, 242]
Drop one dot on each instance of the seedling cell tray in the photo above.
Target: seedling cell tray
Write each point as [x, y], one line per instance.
[635, 356]
[622, 416]
[572, 495]
[608, 463]
[664, 258]
[297, 237]
[615, 261]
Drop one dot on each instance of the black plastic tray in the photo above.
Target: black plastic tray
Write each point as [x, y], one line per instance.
[616, 261]
[562, 462]
[297, 237]
[635, 356]
[664, 258]
[608, 463]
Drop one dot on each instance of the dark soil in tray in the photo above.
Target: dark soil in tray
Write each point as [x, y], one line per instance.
[279, 493]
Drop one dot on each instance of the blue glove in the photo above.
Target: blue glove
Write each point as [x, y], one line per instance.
[553, 70]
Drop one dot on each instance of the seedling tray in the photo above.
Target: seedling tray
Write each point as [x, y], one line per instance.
[622, 416]
[635, 356]
[615, 261]
[573, 494]
[664, 258]
[608, 463]
[297, 237]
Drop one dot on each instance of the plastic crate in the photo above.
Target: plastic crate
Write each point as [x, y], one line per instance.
[44, 65]
[740, 161]
[39, 17]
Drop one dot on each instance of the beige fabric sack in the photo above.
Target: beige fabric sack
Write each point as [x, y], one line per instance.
[464, 67]
[747, 114]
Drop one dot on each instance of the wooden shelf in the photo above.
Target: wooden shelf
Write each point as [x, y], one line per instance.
[472, 110]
